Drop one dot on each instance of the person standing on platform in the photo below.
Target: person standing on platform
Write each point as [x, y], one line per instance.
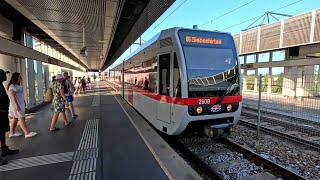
[4, 120]
[77, 87]
[146, 83]
[17, 107]
[88, 82]
[83, 84]
[68, 90]
[59, 100]
[51, 85]
[94, 77]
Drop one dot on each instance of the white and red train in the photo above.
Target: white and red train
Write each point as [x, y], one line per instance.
[184, 79]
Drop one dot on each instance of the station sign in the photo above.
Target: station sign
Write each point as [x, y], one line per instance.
[52, 61]
[247, 66]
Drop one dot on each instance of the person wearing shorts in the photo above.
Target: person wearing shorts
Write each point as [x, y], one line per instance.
[59, 100]
[69, 88]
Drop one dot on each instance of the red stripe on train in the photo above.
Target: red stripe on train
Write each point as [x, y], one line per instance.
[185, 101]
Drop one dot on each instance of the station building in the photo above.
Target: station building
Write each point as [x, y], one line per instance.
[286, 53]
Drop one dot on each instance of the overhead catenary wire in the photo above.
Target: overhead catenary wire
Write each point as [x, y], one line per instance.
[165, 18]
[228, 13]
[260, 15]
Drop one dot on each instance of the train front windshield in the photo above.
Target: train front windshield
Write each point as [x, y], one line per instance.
[211, 62]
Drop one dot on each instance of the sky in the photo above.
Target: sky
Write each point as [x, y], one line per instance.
[227, 15]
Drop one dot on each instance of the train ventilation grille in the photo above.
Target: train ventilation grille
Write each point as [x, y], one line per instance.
[166, 42]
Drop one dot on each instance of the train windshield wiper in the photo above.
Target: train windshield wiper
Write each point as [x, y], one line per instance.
[230, 88]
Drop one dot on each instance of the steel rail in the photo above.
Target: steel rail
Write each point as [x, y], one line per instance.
[289, 124]
[304, 142]
[271, 166]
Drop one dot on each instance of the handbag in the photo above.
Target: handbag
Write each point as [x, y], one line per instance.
[48, 96]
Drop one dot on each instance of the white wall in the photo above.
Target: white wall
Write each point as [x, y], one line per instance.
[7, 63]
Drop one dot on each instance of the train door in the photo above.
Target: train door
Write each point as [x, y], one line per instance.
[176, 90]
[164, 107]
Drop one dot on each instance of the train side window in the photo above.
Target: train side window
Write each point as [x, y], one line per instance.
[176, 77]
[164, 74]
[153, 76]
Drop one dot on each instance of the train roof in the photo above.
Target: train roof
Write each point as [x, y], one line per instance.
[161, 35]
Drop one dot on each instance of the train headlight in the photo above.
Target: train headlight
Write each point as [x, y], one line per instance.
[199, 110]
[229, 107]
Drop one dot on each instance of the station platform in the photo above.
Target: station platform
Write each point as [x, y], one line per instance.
[109, 140]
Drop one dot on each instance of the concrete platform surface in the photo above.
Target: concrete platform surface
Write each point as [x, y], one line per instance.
[109, 140]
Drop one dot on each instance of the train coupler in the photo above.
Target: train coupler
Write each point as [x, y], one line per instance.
[218, 130]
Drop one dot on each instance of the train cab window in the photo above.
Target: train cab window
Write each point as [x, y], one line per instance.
[176, 77]
[164, 74]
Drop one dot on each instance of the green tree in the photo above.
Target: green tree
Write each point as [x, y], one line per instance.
[250, 81]
[277, 83]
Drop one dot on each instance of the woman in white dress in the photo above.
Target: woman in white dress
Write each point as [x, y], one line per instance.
[17, 107]
[77, 86]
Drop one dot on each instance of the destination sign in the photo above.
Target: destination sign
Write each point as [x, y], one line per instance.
[192, 39]
[201, 38]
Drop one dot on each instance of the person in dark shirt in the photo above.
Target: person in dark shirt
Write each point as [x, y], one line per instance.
[4, 120]
[146, 83]
[84, 83]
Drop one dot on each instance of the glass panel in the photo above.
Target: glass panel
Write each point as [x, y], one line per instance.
[277, 79]
[211, 71]
[36, 80]
[153, 76]
[251, 58]
[164, 74]
[26, 80]
[251, 79]
[316, 81]
[36, 44]
[277, 70]
[263, 71]
[49, 51]
[176, 77]
[278, 55]
[241, 59]
[215, 61]
[265, 75]
[42, 47]
[43, 80]
[264, 57]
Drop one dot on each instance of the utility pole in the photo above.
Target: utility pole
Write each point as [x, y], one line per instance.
[140, 43]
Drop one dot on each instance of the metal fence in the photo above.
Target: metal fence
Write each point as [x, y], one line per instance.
[289, 104]
[296, 97]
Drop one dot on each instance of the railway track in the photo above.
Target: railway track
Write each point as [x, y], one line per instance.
[284, 127]
[309, 125]
[225, 159]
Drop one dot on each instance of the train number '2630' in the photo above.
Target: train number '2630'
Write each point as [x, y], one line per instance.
[204, 101]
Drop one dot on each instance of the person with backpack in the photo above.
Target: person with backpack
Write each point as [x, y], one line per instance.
[68, 90]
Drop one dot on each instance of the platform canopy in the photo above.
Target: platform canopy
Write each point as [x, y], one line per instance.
[105, 27]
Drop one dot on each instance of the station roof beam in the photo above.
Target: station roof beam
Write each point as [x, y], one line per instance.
[105, 27]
